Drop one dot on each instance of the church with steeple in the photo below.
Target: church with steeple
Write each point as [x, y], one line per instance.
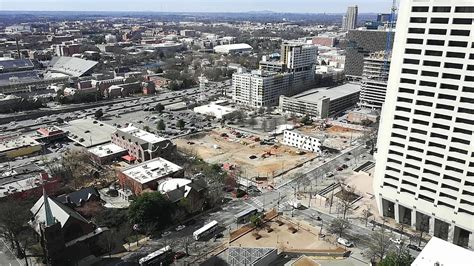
[66, 236]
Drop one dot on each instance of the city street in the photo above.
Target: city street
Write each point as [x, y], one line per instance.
[6, 256]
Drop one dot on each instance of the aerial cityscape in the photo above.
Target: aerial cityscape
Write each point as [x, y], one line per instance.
[327, 133]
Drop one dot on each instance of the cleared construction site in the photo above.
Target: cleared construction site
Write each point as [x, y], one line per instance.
[258, 156]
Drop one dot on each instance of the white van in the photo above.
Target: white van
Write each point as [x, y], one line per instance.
[344, 242]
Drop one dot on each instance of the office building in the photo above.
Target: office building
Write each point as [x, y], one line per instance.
[374, 81]
[424, 174]
[383, 17]
[350, 19]
[141, 145]
[360, 44]
[321, 102]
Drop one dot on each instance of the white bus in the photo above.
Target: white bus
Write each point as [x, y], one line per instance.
[244, 215]
[156, 257]
[206, 229]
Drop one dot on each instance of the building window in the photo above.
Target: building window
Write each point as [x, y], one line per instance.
[440, 20]
[437, 31]
[431, 63]
[448, 86]
[414, 41]
[412, 51]
[433, 53]
[416, 30]
[411, 61]
[417, 20]
[441, 9]
[429, 73]
[464, 21]
[419, 9]
[435, 42]
[464, 9]
[457, 44]
[460, 32]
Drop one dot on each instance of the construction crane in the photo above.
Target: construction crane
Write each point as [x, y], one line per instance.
[388, 44]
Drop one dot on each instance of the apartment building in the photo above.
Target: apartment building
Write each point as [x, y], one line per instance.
[349, 21]
[374, 81]
[294, 73]
[424, 175]
[259, 87]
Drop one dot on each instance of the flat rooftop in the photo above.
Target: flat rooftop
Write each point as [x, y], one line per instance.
[89, 132]
[106, 150]
[141, 134]
[151, 170]
[334, 93]
[440, 252]
[14, 142]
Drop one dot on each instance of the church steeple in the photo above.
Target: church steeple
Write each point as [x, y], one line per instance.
[49, 218]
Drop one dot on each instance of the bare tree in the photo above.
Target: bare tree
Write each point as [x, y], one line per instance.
[379, 244]
[346, 197]
[366, 213]
[339, 226]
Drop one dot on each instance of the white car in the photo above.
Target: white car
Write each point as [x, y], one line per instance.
[167, 233]
[180, 227]
[396, 241]
[345, 242]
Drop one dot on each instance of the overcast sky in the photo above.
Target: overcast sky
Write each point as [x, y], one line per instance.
[296, 6]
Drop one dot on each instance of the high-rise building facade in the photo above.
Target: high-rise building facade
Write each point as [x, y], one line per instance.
[350, 21]
[374, 80]
[424, 174]
[360, 44]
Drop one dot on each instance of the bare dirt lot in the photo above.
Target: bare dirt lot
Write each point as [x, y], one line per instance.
[335, 137]
[270, 160]
[283, 238]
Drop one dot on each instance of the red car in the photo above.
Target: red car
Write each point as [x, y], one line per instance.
[179, 255]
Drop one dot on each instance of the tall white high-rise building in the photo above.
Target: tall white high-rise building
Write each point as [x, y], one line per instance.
[350, 21]
[424, 175]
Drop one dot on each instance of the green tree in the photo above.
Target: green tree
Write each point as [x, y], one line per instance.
[181, 124]
[400, 258]
[161, 125]
[151, 209]
[306, 120]
[99, 113]
[339, 226]
[159, 108]
[146, 128]
[256, 220]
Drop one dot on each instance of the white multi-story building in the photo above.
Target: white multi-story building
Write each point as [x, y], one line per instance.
[424, 175]
[294, 73]
[301, 141]
[259, 88]
[374, 81]
[349, 21]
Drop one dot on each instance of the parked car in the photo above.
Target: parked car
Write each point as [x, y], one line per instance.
[396, 241]
[180, 227]
[345, 242]
[178, 255]
[414, 247]
[166, 233]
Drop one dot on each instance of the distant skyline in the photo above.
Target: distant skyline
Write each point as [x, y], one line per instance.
[288, 6]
